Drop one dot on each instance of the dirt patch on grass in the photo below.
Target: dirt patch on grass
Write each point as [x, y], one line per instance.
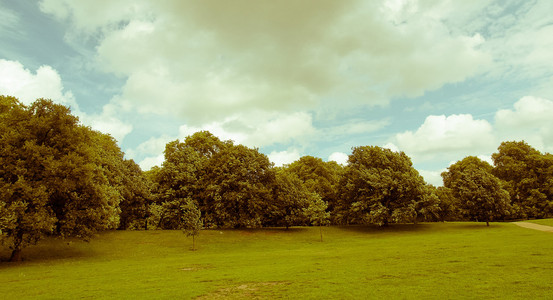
[250, 290]
[195, 268]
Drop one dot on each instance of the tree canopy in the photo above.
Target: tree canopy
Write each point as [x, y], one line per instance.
[318, 176]
[480, 193]
[56, 176]
[529, 177]
[379, 186]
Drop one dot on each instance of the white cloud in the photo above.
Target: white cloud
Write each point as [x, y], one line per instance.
[284, 157]
[108, 124]
[151, 161]
[339, 157]
[251, 71]
[529, 120]
[486, 158]
[259, 129]
[433, 177]
[17, 81]
[446, 138]
[207, 61]
[153, 146]
[520, 40]
[392, 147]
[351, 127]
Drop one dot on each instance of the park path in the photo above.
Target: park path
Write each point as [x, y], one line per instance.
[534, 226]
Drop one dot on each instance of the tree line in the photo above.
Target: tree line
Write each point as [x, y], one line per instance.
[60, 178]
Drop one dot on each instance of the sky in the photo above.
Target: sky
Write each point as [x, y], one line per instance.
[438, 80]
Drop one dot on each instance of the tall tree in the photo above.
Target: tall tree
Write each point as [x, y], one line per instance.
[135, 197]
[238, 182]
[480, 193]
[319, 177]
[379, 186]
[450, 209]
[290, 198]
[183, 171]
[529, 175]
[56, 176]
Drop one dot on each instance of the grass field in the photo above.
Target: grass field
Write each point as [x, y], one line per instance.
[548, 222]
[441, 260]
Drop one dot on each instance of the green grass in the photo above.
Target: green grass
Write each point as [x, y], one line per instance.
[548, 222]
[451, 260]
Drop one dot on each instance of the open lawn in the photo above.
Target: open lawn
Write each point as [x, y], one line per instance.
[438, 260]
[548, 222]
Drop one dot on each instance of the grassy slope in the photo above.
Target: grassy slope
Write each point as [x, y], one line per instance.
[548, 222]
[455, 260]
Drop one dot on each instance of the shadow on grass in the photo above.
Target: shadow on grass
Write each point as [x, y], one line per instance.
[477, 225]
[375, 229]
[45, 251]
[259, 230]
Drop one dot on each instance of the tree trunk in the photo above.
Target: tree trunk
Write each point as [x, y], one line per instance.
[321, 231]
[16, 255]
[193, 243]
[487, 223]
[17, 241]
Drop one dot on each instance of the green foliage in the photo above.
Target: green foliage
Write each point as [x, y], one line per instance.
[237, 183]
[529, 175]
[449, 207]
[380, 186]
[480, 193]
[56, 176]
[317, 214]
[290, 198]
[232, 184]
[425, 208]
[135, 197]
[319, 177]
[191, 221]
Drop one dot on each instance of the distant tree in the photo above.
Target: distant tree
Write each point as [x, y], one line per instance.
[379, 186]
[480, 193]
[317, 213]
[57, 177]
[171, 213]
[182, 173]
[318, 176]
[191, 221]
[529, 177]
[450, 209]
[425, 208]
[290, 199]
[136, 196]
[155, 214]
[237, 185]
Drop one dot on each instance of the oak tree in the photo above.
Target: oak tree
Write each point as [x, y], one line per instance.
[319, 177]
[56, 176]
[529, 177]
[379, 186]
[290, 199]
[480, 193]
